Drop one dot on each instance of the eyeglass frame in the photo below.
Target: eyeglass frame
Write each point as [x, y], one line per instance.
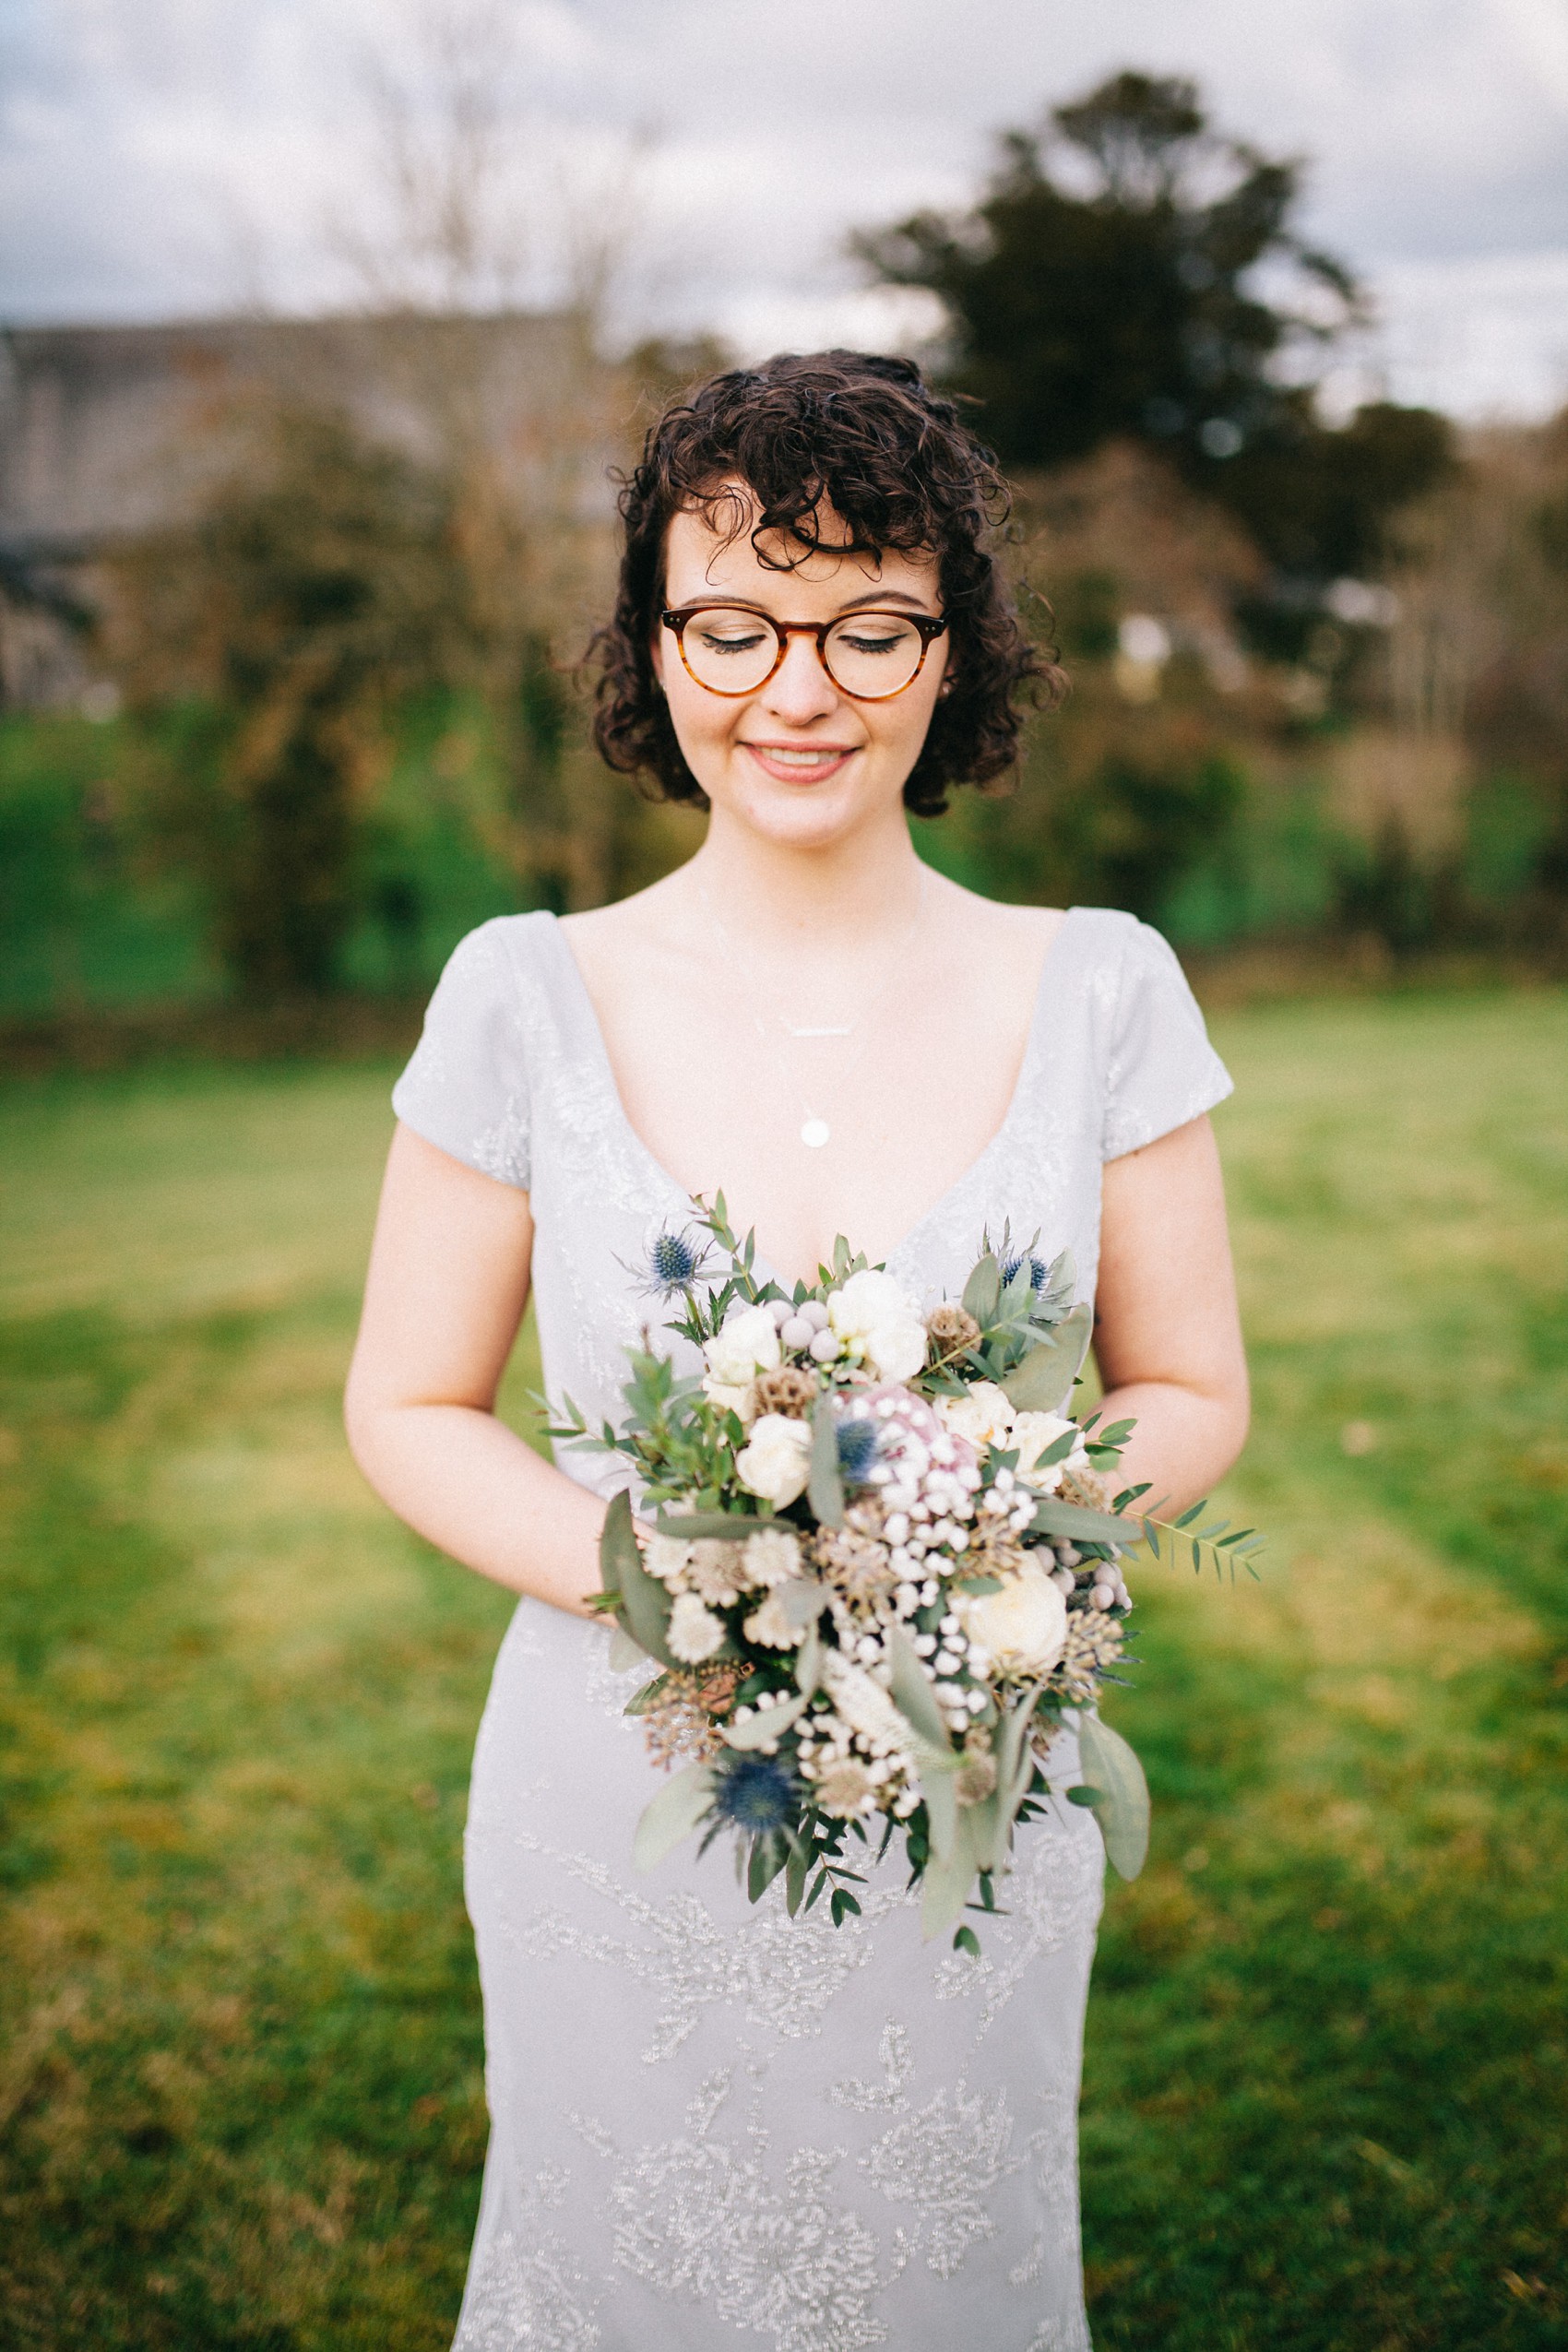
[928, 626]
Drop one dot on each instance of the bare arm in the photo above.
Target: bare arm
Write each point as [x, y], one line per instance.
[1168, 1339]
[447, 1285]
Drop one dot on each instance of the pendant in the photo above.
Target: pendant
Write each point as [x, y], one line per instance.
[816, 1133]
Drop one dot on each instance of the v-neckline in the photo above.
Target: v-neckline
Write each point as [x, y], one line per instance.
[966, 1176]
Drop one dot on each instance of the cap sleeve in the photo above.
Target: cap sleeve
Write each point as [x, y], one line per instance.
[466, 1087]
[1161, 1070]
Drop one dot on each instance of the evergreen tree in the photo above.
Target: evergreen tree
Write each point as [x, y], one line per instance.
[1130, 272]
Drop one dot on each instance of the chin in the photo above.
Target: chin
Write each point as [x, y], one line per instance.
[802, 817]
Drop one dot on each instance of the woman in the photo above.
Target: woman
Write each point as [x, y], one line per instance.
[712, 2122]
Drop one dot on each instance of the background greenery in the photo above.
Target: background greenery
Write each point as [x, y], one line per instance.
[328, 711]
[1327, 2091]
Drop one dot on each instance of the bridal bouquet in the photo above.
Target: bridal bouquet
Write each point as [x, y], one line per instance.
[877, 1567]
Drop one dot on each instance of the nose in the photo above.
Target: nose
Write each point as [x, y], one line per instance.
[800, 689]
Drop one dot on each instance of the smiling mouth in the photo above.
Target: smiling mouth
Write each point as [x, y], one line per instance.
[802, 759]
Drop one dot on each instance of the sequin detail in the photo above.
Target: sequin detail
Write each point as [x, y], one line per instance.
[701, 2220]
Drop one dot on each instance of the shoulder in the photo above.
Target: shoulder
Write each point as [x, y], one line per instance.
[1009, 942]
[501, 966]
[503, 944]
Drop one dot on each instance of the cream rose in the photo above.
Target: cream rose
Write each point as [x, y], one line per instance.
[1021, 1627]
[748, 1344]
[777, 1463]
[876, 1321]
[1036, 1433]
[981, 1414]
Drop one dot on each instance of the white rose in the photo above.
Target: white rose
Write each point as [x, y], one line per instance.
[1022, 1627]
[873, 1319]
[983, 1414]
[694, 1631]
[747, 1344]
[777, 1463]
[1036, 1433]
[742, 1402]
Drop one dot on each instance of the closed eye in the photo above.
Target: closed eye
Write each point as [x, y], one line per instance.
[732, 641]
[864, 641]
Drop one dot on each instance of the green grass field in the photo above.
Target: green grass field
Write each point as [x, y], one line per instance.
[1326, 2095]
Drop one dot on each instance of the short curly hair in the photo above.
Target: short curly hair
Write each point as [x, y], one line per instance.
[898, 465]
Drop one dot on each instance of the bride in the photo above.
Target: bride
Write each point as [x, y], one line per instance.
[710, 2123]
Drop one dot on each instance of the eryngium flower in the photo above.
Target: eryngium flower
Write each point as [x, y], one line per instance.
[755, 1794]
[1038, 1270]
[857, 1450]
[672, 1260]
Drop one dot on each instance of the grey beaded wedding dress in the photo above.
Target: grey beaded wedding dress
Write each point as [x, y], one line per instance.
[711, 2124]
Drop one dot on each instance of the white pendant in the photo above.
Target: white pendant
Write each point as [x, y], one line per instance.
[816, 1133]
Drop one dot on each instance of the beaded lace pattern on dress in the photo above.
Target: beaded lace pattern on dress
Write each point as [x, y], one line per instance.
[713, 2126]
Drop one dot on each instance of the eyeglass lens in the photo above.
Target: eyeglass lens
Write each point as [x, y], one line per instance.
[868, 654]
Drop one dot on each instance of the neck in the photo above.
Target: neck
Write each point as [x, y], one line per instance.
[856, 891]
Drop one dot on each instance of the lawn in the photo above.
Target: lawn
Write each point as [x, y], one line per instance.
[1326, 2092]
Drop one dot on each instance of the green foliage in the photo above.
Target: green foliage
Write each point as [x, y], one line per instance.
[317, 587]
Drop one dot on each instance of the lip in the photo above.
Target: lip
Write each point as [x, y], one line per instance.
[828, 759]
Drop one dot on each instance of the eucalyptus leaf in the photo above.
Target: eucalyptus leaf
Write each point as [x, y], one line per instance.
[945, 1889]
[1121, 1806]
[808, 1665]
[824, 1488]
[640, 1701]
[691, 1526]
[681, 1806]
[768, 1857]
[983, 1292]
[613, 1538]
[1043, 1381]
[645, 1602]
[625, 1653]
[991, 1822]
[913, 1694]
[941, 1794]
[1074, 1524]
[767, 1724]
[803, 1599]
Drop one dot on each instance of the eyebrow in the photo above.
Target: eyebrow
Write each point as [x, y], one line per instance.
[875, 599]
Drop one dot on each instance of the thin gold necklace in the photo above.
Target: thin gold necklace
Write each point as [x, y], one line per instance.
[814, 1129]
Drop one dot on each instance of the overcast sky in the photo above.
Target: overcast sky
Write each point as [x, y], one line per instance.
[167, 157]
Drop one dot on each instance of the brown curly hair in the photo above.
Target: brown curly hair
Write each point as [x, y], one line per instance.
[898, 464]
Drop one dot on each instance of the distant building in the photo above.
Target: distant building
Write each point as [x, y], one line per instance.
[109, 430]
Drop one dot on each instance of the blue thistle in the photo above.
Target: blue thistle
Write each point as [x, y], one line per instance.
[1038, 1270]
[857, 1450]
[672, 1261]
[755, 1794]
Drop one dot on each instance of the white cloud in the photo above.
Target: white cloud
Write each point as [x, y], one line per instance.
[182, 154]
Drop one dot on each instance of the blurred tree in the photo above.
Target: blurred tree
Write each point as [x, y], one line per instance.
[320, 586]
[1111, 283]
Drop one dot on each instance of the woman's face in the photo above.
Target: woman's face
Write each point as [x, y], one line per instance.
[798, 760]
